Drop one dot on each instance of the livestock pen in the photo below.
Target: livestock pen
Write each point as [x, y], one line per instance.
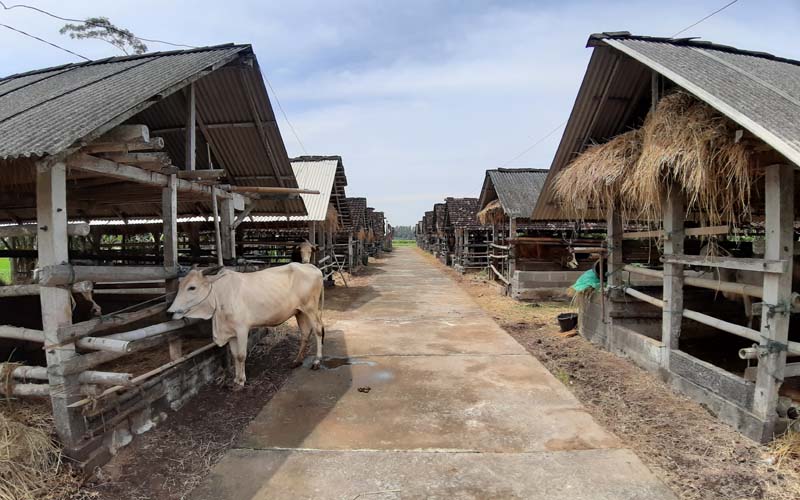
[681, 138]
[532, 259]
[184, 142]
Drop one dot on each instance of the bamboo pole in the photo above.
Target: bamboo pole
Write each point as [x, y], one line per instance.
[741, 331]
[19, 333]
[716, 285]
[87, 377]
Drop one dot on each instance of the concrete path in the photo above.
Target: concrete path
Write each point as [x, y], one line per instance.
[425, 397]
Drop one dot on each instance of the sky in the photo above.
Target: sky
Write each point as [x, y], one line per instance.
[419, 97]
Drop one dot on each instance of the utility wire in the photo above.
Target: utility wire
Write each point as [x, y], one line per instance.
[44, 41]
[564, 122]
[539, 141]
[110, 28]
[703, 19]
[152, 40]
[285, 116]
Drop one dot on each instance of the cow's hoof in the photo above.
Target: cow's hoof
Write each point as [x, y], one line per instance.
[315, 365]
[295, 364]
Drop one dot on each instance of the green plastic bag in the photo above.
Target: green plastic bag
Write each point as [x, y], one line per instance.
[585, 281]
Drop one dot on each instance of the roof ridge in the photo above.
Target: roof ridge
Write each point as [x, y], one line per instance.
[597, 38]
[114, 59]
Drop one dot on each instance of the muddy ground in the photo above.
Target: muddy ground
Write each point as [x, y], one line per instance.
[695, 454]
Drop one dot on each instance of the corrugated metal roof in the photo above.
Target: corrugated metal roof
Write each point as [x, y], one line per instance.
[428, 224]
[378, 223]
[758, 91]
[462, 212]
[45, 112]
[317, 175]
[516, 188]
[439, 216]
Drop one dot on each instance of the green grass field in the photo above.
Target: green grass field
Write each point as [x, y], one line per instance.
[404, 243]
[5, 270]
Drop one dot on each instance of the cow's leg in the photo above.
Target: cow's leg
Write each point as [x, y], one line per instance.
[304, 322]
[238, 348]
[319, 333]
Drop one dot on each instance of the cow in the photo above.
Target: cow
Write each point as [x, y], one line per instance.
[302, 252]
[237, 302]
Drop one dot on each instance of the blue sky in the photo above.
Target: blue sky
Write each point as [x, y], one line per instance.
[419, 97]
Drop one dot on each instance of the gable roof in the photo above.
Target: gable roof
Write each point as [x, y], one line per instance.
[49, 111]
[758, 91]
[517, 189]
[358, 212]
[462, 212]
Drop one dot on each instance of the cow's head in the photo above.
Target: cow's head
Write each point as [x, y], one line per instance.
[306, 248]
[192, 300]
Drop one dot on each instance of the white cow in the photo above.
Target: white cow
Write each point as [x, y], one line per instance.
[237, 302]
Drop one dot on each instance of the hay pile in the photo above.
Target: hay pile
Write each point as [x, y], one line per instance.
[492, 213]
[595, 178]
[29, 461]
[684, 144]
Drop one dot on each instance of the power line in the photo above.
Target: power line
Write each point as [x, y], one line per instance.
[110, 28]
[539, 141]
[703, 19]
[285, 116]
[44, 41]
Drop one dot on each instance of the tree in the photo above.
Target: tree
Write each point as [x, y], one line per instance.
[100, 28]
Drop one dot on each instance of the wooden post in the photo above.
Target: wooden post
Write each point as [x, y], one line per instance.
[672, 314]
[312, 238]
[779, 221]
[228, 230]
[217, 236]
[350, 251]
[169, 215]
[614, 245]
[191, 136]
[52, 246]
[512, 251]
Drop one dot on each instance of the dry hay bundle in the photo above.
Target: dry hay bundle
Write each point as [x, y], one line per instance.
[689, 145]
[29, 460]
[684, 144]
[594, 179]
[492, 214]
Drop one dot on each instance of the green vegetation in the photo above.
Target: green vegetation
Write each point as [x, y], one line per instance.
[5, 270]
[404, 243]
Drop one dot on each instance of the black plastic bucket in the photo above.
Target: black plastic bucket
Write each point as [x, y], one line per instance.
[567, 321]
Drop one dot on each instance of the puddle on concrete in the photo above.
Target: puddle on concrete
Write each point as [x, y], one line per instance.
[334, 363]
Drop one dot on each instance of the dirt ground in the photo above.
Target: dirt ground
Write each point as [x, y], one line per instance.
[695, 454]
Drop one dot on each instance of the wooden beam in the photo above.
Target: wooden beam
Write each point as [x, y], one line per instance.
[126, 133]
[87, 377]
[134, 174]
[710, 284]
[268, 190]
[761, 265]
[67, 274]
[152, 161]
[108, 321]
[191, 136]
[77, 229]
[774, 335]
[27, 290]
[228, 230]
[692, 231]
[201, 174]
[169, 215]
[124, 147]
